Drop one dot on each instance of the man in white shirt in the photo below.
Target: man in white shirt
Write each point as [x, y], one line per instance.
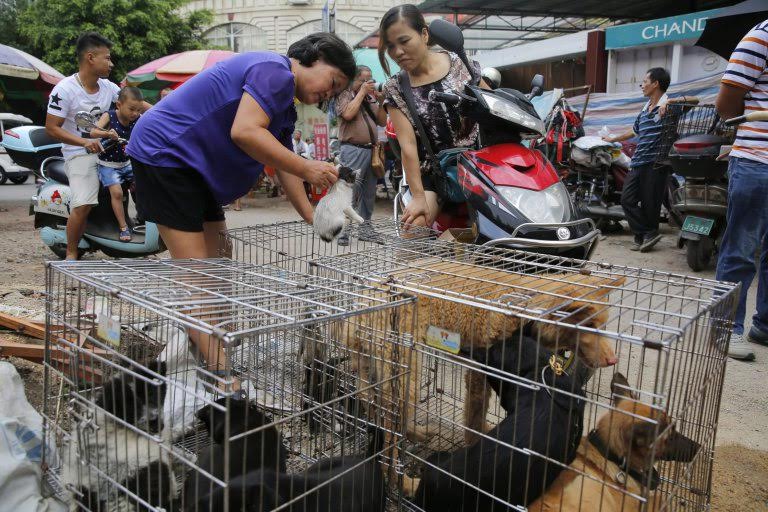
[311, 146]
[87, 90]
[299, 146]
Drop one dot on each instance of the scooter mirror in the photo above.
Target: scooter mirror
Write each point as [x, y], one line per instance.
[537, 86]
[85, 120]
[447, 35]
[450, 37]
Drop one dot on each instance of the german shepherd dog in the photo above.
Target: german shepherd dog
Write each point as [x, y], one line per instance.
[618, 458]
[544, 416]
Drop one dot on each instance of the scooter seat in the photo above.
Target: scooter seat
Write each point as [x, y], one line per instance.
[55, 171]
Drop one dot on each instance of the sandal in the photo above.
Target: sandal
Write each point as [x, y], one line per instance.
[125, 234]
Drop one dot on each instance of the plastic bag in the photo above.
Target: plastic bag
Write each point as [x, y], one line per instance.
[604, 132]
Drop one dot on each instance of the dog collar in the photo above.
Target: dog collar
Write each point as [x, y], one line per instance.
[641, 477]
[560, 364]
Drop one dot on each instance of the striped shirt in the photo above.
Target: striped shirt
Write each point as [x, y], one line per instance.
[747, 70]
[648, 127]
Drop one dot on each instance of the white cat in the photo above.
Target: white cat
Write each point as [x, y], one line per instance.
[335, 209]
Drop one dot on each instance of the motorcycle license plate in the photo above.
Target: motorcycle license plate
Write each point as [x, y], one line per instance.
[698, 225]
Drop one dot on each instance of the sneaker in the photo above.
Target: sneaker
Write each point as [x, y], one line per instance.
[739, 349]
[755, 335]
[649, 241]
[636, 243]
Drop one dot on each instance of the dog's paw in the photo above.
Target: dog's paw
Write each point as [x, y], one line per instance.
[410, 485]
[471, 437]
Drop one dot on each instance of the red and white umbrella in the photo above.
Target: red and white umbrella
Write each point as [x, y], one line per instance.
[172, 70]
[15, 63]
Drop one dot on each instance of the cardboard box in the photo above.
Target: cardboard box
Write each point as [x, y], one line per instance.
[460, 235]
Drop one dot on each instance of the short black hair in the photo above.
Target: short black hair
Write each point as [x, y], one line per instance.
[660, 75]
[90, 41]
[130, 93]
[328, 47]
[411, 15]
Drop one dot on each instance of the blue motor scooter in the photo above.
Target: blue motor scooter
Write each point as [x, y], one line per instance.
[50, 206]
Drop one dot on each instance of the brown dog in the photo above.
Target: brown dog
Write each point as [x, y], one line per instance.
[579, 299]
[618, 458]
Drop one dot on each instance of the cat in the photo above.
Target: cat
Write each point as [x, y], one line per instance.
[335, 209]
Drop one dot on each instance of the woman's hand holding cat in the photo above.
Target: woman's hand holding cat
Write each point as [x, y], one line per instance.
[319, 173]
[416, 212]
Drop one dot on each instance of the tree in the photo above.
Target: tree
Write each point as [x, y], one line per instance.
[9, 22]
[141, 30]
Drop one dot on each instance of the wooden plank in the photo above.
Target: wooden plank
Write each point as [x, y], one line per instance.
[59, 358]
[22, 326]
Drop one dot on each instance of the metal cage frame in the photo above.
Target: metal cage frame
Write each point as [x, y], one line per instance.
[131, 328]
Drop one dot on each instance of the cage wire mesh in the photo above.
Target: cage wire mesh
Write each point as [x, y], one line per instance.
[510, 321]
[292, 245]
[139, 415]
[536, 329]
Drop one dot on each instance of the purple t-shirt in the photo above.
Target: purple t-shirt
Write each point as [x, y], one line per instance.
[191, 127]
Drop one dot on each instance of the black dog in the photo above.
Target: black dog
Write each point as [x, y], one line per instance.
[135, 400]
[337, 484]
[546, 424]
[263, 449]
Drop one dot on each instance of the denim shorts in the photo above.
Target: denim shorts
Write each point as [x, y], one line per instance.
[110, 176]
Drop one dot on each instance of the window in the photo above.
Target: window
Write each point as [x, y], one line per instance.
[238, 37]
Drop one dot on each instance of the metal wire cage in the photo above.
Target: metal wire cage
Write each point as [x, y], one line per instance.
[292, 245]
[509, 321]
[208, 384]
[684, 120]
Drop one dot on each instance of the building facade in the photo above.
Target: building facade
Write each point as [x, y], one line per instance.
[251, 25]
[248, 25]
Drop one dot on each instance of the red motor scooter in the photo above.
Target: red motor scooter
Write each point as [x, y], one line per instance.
[514, 196]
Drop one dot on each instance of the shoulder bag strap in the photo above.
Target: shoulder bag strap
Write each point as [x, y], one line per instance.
[405, 89]
[367, 110]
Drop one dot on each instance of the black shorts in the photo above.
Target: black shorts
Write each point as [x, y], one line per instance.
[174, 197]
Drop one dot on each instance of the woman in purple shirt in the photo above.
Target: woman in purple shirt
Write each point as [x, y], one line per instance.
[206, 144]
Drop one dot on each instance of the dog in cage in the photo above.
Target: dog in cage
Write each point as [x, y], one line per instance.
[117, 437]
[335, 484]
[335, 210]
[618, 458]
[260, 447]
[544, 417]
[564, 300]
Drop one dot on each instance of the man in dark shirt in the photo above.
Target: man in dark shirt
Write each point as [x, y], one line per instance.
[643, 190]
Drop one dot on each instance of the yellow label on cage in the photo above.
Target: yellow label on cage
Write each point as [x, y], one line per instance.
[443, 340]
[109, 329]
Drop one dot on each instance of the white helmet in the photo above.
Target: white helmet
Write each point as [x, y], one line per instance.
[491, 76]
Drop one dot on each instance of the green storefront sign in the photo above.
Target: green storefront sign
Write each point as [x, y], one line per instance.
[674, 28]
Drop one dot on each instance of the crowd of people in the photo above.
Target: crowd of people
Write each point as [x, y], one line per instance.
[185, 167]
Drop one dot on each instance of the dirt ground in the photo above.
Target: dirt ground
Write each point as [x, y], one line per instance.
[740, 479]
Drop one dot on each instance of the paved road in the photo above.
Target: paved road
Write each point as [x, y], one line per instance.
[14, 194]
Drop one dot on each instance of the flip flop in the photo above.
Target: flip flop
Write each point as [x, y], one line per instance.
[125, 234]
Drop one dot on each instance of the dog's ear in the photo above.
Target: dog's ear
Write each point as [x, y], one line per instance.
[621, 389]
[214, 420]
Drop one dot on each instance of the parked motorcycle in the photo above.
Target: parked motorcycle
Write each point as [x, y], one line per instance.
[50, 206]
[514, 196]
[596, 181]
[702, 200]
